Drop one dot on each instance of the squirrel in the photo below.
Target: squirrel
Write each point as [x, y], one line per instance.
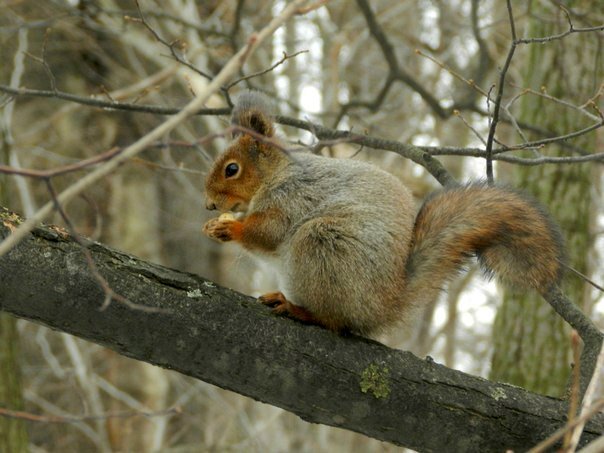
[350, 250]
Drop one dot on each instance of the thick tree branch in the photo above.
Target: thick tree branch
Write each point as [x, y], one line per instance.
[230, 340]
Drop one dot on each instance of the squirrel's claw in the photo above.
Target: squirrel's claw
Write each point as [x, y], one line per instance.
[282, 306]
[273, 300]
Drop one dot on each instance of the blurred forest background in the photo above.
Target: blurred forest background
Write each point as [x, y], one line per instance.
[415, 72]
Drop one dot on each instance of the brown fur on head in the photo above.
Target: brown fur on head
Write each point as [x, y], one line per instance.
[241, 170]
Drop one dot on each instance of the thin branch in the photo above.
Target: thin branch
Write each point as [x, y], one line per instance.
[547, 443]
[312, 6]
[580, 109]
[497, 106]
[588, 403]
[412, 152]
[267, 70]
[370, 105]
[470, 82]
[395, 69]
[42, 60]
[23, 190]
[96, 102]
[514, 123]
[458, 114]
[575, 387]
[559, 138]
[28, 416]
[110, 294]
[483, 56]
[128, 15]
[477, 152]
[571, 30]
[582, 275]
[537, 130]
[29, 25]
[170, 45]
[597, 157]
[78, 166]
[84, 428]
[236, 24]
[154, 165]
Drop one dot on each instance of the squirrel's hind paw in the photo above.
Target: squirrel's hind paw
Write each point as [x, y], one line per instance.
[273, 300]
[282, 306]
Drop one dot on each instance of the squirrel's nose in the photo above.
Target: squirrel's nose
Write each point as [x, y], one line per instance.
[210, 205]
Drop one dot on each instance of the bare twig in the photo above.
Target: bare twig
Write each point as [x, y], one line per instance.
[110, 294]
[559, 138]
[458, 114]
[575, 385]
[578, 108]
[236, 23]
[483, 56]
[396, 72]
[544, 446]
[42, 60]
[470, 82]
[316, 5]
[128, 16]
[7, 119]
[110, 105]
[154, 165]
[497, 155]
[587, 405]
[171, 45]
[502, 74]
[47, 174]
[571, 29]
[28, 416]
[589, 409]
[259, 73]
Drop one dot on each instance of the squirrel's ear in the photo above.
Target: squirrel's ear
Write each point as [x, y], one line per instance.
[258, 122]
[253, 111]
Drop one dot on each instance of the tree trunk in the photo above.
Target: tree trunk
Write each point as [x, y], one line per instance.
[13, 435]
[531, 343]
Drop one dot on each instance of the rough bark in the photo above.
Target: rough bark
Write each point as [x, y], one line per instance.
[13, 433]
[13, 436]
[230, 340]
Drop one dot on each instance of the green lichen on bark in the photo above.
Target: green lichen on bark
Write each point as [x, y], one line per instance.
[376, 380]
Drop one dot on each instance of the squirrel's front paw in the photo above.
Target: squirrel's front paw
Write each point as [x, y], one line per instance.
[221, 229]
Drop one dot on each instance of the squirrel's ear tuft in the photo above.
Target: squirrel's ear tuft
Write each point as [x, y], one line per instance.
[257, 121]
[253, 111]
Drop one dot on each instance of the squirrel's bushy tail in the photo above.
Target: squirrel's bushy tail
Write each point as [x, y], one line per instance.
[512, 236]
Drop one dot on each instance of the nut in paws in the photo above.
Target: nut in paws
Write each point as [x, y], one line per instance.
[220, 229]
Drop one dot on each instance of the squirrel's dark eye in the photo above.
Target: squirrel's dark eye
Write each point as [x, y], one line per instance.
[231, 169]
